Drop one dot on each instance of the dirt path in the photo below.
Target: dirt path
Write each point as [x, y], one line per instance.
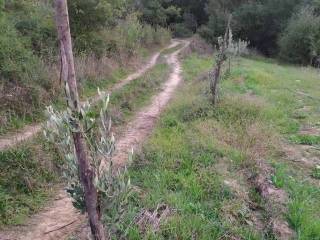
[12, 139]
[144, 121]
[61, 219]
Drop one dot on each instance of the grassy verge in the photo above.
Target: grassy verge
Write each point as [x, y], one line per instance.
[27, 175]
[196, 151]
[303, 209]
[293, 94]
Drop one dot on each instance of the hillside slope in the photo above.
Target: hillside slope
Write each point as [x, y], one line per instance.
[245, 169]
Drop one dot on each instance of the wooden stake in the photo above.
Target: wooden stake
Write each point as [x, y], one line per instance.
[69, 76]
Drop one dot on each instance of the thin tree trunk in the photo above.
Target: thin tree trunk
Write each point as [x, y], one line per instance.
[217, 70]
[214, 83]
[69, 76]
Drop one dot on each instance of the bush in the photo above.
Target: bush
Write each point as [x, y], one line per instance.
[35, 24]
[91, 43]
[148, 34]
[298, 43]
[128, 34]
[17, 63]
[207, 34]
[22, 76]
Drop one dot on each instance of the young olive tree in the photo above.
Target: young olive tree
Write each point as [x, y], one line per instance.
[221, 57]
[227, 50]
[85, 141]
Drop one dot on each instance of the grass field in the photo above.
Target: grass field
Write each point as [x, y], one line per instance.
[199, 158]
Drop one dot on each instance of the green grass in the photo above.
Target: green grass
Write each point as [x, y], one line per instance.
[304, 205]
[305, 139]
[18, 122]
[180, 165]
[90, 86]
[291, 96]
[316, 172]
[27, 175]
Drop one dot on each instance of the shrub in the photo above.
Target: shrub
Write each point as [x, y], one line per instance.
[162, 36]
[91, 43]
[209, 34]
[298, 42]
[148, 34]
[35, 24]
[22, 76]
[23, 183]
[127, 35]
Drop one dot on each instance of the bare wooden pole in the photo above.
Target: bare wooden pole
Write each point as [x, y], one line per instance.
[69, 76]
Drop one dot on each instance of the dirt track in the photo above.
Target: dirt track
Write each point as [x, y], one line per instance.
[60, 219]
[12, 139]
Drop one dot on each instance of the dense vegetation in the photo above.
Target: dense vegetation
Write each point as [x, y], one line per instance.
[288, 28]
[103, 31]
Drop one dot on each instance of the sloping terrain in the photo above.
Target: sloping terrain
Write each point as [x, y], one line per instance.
[61, 219]
[244, 169]
[247, 168]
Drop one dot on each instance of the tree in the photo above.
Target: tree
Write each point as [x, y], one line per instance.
[87, 175]
[259, 22]
[300, 43]
[218, 12]
[153, 12]
[262, 22]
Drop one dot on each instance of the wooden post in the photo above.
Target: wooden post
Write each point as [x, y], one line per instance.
[69, 76]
